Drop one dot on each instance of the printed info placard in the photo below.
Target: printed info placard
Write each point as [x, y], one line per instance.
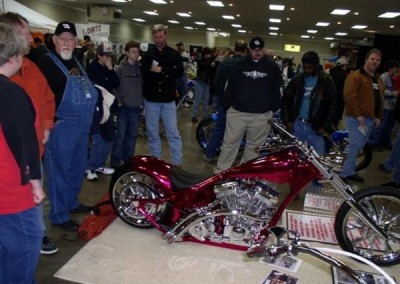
[311, 227]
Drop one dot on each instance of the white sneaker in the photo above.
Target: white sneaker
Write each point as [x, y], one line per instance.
[91, 175]
[105, 170]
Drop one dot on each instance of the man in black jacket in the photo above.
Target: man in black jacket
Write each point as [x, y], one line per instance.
[161, 67]
[339, 75]
[251, 97]
[309, 103]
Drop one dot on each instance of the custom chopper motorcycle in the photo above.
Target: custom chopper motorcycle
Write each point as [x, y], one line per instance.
[336, 143]
[235, 208]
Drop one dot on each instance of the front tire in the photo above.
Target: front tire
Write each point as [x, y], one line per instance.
[127, 186]
[381, 204]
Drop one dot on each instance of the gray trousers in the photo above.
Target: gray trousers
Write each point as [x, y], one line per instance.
[256, 128]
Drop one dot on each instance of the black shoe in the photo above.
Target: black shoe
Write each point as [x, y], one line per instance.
[392, 184]
[383, 168]
[68, 226]
[81, 209]
[48, 246]
[355, 178]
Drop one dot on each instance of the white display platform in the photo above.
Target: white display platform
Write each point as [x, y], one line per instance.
[123, 254]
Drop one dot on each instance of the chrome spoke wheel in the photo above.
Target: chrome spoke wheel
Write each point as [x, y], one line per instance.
[130, 187]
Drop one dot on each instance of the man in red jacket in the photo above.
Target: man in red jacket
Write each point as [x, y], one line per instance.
[31, 79]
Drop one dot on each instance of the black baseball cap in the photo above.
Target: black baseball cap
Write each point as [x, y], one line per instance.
[65, 26]
[256, 43]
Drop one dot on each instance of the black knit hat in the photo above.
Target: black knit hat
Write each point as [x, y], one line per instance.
[310, 57]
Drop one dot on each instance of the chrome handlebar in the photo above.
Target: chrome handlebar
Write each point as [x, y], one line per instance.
[293, 248]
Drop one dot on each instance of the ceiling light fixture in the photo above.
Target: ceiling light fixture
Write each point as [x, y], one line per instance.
[273, 34]
[277, 7]
[227, 17]
[236, 25]
[158, 1]
[215, 3]
[139, 20]
[389, 15]
[200, 23]
[224, 34]
[359, 27]
[152, 13]
[329, 38]
[119, 1]
[340, 12]
[189, 28]
[242, 31]
[341, 34]
[274, 28]
[322, 24]
[274, 20]
[211, 29]
[173, 22]
[183, 14]
[312, 31]
[305, 36]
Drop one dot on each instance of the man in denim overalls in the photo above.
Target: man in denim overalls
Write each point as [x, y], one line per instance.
[66, 151]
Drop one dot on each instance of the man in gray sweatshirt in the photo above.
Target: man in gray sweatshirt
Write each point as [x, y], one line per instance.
[130, 102]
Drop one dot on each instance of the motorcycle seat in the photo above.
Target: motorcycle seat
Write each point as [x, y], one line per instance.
[181, 179]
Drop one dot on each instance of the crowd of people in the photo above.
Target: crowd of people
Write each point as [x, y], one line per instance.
[57, 99]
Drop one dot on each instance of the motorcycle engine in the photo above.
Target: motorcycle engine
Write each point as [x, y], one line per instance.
[248, 196]
[248, 205]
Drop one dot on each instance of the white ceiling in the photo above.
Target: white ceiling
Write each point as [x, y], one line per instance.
[255, 14]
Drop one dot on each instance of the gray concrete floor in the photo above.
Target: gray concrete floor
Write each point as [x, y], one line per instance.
[193, 161]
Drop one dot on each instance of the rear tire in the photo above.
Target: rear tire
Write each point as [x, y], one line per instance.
[364, 158]
[203, 132]
[127, 185]
[382, 204]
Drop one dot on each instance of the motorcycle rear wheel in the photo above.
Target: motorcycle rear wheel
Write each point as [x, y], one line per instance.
[203, 132]
[127, 185]
[364, 157]
[382, 204]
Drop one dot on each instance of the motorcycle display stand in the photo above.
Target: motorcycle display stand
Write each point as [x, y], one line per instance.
[126, 255]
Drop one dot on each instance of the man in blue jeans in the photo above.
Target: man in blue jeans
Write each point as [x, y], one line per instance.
[161, 67]
[130, 103]
[363, 99]
[309, 103]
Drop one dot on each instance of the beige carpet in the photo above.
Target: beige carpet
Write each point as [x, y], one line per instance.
[122, 254]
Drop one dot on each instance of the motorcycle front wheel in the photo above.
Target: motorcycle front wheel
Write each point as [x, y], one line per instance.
[382, 205]
[126, 187]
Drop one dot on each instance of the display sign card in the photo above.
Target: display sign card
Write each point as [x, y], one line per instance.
[316, 228]
[279, 277]
[284, 261]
